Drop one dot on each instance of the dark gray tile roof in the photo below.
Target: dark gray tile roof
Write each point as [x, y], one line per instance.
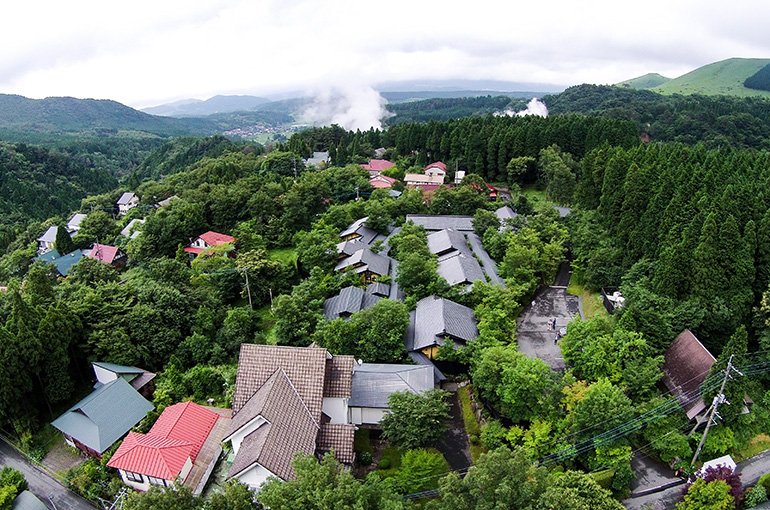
[436, 318]
[378, 289]
[461, 269]
[349, 247]
[350, 300]
[125, 198]
[369, 261]
[373, 383]
[290, 428]
[366, 234]
[440, 222]
[505, 213]
[105, 415]
[447, 240]
[337, 437]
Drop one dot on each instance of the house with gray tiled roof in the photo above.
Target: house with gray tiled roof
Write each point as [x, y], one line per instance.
[350, 300]
[373, 383]
[358, 230]
[446, 241]
[47, 241]
[107, 414]
[434, 223]
[462, 269]
[288, 400]
[73, 225]
[127, 201]
[366, 263]
[436, 320]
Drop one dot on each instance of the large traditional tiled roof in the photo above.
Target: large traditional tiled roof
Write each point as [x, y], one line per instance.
[366, 234]
[126, 198]
[447, 240]
[460, 269]
[305, 368]
[440, 222]
[370, 261]
[437, 318]
[350, 300]
[289, 427]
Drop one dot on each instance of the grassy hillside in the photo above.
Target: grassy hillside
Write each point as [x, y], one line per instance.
[725, 77]
[645, 82]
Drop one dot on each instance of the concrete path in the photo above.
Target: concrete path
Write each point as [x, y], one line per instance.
[41, 484]
[751, 470]
[454, 445]
[535, 339]
[489, 265]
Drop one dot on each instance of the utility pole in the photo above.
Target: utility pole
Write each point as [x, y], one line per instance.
[248, 288]
[718, 399]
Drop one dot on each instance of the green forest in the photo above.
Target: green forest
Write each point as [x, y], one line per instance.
[670, 205]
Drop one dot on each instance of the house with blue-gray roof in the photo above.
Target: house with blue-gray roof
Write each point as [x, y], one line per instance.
[106, 415]
[63, 263]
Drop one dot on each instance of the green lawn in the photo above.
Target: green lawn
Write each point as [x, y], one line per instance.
[267, 324]
[285, 255]
[593, 305]
[472, 427]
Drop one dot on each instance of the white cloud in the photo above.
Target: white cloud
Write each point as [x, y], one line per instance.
[144, 52]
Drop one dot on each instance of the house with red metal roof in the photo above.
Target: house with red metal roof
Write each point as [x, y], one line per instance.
[207, 240]
[376, 166]
[182, 446]
[382, 181]
[107, 254]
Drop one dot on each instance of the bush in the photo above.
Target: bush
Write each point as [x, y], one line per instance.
[365, 458]
[755, 496]
[384, 464]
[474, 439]
[493, 435]
[420, 470]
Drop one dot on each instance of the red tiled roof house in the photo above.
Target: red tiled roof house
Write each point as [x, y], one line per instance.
[207, 240]
[182, 446]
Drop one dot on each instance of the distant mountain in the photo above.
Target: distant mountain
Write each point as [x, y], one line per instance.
[211, 106]
[71, 115]
[720, 78]
[645, 82]
[483, 86]
[407, 96]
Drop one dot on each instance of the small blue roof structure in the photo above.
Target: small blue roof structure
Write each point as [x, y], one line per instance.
[63, 263]
[104, 416]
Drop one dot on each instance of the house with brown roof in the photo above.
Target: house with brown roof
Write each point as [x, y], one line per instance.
[182, 446]
[686, 365]
[288, 400]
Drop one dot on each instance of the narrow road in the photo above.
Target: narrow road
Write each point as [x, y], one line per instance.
[41, 484]
[455, 445]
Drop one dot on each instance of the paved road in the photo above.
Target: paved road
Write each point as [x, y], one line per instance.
[750, 471]
[455, 445]
[489, 265]
[41, 484]
[535, 339]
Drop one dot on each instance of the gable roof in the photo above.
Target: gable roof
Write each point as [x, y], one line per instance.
[28, 501]
[305, 368]
[447, 240]
[373, 382]
[138, 377]
[49, 236]
[179, 433]
[505, 213]
[63, 263]
[289, 427]
[350, 300]
[339, 377]
[126, 232]
[126, 198]
[460, 269]
[436, 318]
[378, 165]
[103, 253]
[438, 164]
[369, 261]
[74, 222]
[215, 238]
[104, 416]
[441, 222]
[686, 365]
[349, 247]
[366, 234]
[382, 181]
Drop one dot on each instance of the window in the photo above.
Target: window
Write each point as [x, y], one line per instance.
[134, 477]
[157, 481]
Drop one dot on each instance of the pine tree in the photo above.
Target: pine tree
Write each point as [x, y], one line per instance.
[63, 243]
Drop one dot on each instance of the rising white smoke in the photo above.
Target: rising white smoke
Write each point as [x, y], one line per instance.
[353, 107]
[534, 107]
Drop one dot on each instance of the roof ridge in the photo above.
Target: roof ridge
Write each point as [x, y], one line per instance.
[184, 405]
[300, 398]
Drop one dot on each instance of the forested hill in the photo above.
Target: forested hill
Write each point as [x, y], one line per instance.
[37, 183]
[716, 121]
[451, 108]
[68, 115]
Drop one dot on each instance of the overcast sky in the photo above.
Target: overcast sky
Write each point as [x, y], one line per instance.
[147, 52]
